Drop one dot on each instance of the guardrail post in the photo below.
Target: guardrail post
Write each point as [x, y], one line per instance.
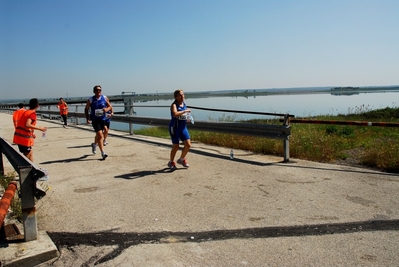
[286, 141]
[131, 124]
[28, 186]
[76, 118]
[128, 101]
[287, 150]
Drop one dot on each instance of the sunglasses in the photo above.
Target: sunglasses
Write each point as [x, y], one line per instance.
[98, 90]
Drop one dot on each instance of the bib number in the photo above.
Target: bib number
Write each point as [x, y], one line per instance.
[183, 117]
[99, 112]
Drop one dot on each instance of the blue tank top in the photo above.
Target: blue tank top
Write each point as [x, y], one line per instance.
[180, 121]
[96, 108]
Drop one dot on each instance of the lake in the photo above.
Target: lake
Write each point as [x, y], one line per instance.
[300, 105]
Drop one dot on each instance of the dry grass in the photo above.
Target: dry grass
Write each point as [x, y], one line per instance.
[370, 147]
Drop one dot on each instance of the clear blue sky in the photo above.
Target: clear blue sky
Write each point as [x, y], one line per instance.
[54, 48]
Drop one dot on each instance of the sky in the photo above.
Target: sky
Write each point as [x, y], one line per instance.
[62, 48]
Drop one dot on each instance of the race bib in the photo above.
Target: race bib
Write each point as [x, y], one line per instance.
[183, 117]
[99, 112]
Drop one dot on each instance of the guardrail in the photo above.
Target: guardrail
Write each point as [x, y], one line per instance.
[29, 189]
[354, 123]
[281, 132]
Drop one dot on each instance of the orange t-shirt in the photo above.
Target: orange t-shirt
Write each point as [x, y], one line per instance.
[63, 108]
[17, 114]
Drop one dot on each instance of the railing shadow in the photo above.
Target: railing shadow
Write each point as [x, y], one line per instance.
[69, 160]
[122, 241]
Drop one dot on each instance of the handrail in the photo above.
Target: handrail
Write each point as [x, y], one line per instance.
[163, 106]
[223, 127]
[214, 109]
[244, 112]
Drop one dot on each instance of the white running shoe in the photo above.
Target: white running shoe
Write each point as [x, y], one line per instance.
[172, 165]
[93, 148]
[45, 177]
[183, 162]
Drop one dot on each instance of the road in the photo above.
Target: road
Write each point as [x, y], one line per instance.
[254, 210]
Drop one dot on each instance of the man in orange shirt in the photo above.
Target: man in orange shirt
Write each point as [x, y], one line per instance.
[24, 132]
[63, 106]
[17, 114]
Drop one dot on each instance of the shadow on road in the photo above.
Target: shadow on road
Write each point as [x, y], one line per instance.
[123, 241]
[141, 174]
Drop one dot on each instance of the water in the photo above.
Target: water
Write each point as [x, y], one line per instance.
[303, 105]
[300, 105]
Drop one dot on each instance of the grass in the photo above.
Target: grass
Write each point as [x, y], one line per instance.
[16, 202]
[371, 147]
[374, 147]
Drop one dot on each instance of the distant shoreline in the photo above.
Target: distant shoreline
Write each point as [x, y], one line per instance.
[333, 90]
[272, 92]
[347, 90]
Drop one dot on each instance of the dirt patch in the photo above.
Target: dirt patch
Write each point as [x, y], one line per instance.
[353, 158]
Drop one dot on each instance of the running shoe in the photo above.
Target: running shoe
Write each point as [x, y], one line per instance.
[64, 126]
[45, 177]
[93, 148]
[172, 165]
[105, 142]
[183, 162]
[104, 155]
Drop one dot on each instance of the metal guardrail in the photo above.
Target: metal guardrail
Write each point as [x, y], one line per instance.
[281, 132]
[354, 123]
[55, 101]
[29, 189]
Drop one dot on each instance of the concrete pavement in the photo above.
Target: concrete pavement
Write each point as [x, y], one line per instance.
[130, 210]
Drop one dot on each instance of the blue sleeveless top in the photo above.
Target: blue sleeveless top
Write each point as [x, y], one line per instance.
[96, 108]
[180, 121]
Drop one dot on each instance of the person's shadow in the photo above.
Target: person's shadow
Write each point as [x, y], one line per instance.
[65, 160]
[141, 174]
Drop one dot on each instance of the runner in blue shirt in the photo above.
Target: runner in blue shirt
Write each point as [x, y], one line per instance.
[98, 105]
[178, 129]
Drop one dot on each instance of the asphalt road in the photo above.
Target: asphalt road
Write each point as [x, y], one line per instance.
[254, 210]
